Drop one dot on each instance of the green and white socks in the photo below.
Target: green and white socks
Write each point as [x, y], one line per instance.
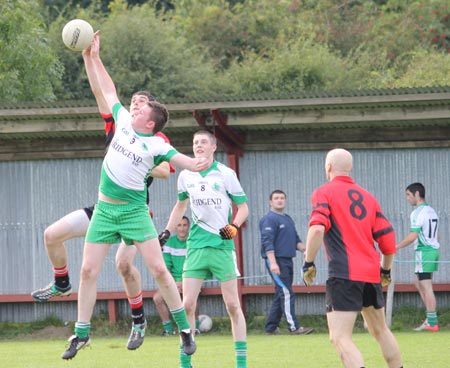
[432, 318]
[82, 329]
[168, 326]
[180, 318]
[240, 348]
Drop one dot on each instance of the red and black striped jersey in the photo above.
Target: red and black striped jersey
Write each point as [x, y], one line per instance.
[353, 222]
[110, 128]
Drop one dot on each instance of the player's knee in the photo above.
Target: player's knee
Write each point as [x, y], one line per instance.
[123, 267]
[233, 307]
[379, 330]
[160, 272]
[157, 298]
[51, 236]
[335, 340]
[88, 272]
[189, 306]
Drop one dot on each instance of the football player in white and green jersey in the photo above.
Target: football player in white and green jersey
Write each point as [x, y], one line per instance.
[174, 253]
[121, 212]
[424, 235]
[211, 251]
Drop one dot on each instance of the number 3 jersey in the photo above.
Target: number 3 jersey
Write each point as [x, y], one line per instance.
[211, 193]
[353, 220]
[129, 160]
[425, 221]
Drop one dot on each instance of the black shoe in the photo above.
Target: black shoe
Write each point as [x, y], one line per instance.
[166, 333]
[137, 336]
[49, 291]
[302, 331]
[76, 343]
[274, 332]
[188, 342]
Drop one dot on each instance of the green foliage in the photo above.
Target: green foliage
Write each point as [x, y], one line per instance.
[141, 51]
[29, 68]
[300, 66]
[425, 69]
[227, 31]
[74, 84]
[214, 49]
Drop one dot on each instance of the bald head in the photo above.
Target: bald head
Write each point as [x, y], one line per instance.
[338, 162]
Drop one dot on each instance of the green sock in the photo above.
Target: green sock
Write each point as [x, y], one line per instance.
[432, 318]
[240, 347]
[185, 360]
[82, 329]
[180, 318]
[168, 326]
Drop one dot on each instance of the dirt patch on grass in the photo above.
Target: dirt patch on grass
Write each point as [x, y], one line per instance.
[52, 332]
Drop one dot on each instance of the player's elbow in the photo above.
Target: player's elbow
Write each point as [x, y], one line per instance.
[316, 231]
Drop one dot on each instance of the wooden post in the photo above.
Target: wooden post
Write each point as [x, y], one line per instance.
[390, 298]
[112, 311]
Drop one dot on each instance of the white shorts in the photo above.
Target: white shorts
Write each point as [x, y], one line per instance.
[78, 221]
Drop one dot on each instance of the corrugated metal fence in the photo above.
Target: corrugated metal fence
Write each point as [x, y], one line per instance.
[36, 193]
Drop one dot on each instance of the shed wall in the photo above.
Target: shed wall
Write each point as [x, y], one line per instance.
[36, 193]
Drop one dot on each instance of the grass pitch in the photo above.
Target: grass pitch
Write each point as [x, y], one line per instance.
[419, 349]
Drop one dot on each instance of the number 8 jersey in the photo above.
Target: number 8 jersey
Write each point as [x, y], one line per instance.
[211, 193]
[353, 220]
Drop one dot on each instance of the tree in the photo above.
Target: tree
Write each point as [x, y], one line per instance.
[29, 68]
[298, 66]
[425, 69]
[142, 51]
[206, 49]
[228, 30]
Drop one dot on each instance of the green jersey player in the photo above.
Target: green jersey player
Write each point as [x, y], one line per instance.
[424, 234]
[121, 212]
[174, 253]
[210, 244]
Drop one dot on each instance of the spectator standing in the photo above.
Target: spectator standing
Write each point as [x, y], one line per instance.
[279, 245]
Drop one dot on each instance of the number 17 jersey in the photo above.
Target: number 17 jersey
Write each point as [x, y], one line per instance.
[425, 221]
[353, 220]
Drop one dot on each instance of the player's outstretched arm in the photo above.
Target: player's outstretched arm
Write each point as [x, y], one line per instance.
[189, 163]
[101, 83]
[162, 171]
[93, 80]
[409, 239]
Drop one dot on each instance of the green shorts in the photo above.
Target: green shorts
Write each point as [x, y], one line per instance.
[111, 223]
[204, 263]
[427, 260]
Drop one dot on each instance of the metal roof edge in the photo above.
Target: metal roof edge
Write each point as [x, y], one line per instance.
[258, 101]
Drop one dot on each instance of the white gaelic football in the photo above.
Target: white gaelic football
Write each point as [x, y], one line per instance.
[77, 34]
[205, 323]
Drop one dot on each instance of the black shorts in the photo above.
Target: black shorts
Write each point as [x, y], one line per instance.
[424, 275]
[89, 211]
[346, 295]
